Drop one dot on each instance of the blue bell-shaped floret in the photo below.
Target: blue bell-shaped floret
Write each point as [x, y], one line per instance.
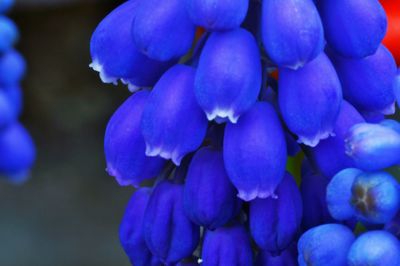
[373, 146]
[255, 152]
[329, 155]
[228, 77]
[227, 246]
[173, 124]
[353, 28]
[14, 94]
[339, 194]
[394, 225]
[162, 30]
[8, 34]
[169, 234]
[326, 244]
[397, 87]
[17, 153]
[292, 32]
[375, 197]
[275, 222]
[378, 248]
[209, 196]
[217, 15]
[310, 99]
[12, 68]
[115, 55]
[313, 193]
[124, 144]
[368, 83]
[131, 230]
[9, 107]
[5, 5]
[287, 257]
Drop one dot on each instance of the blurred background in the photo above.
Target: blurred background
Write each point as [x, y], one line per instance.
[68, 213]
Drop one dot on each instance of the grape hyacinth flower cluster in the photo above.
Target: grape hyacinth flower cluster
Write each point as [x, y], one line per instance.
[256, 132]
[17, 150]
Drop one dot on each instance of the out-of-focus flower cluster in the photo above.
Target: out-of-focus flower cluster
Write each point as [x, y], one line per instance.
[17, 151]
[260, 127]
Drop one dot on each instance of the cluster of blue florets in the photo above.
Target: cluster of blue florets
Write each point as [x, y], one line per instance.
[228, 94]
[17, 151]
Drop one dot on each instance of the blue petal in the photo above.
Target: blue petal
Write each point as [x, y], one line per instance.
[326, 244]
[373, 146]
[310, 99]
[339, 194]
[292, 32]
[162, 29]
[396, 87]
[378, 248]
[227, 246]
[255, 152]
[329, 155]
[353, 28]
[367, 83]
[124, 145]
[172, 123]
[216, 15]
[286, 258]
[12, 68]
[9, 106]
[5, 5]
[375, 197]
[313, 192]
[115, 55]
[228, 78]
[8, 34]
[169, 234]
[131, 229]
[17, 152]
[274, 223]
[209, 197]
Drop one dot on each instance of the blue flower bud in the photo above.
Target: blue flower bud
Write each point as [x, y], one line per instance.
[217, 15]
[285, 258]
[378, 248]
[115, 55]
[310, 99]
[292, 32]
[396, 87]
[329, 155]
[209, 197]
[131, 230]
[5, 5]
[373, 146]
[353, 28]
[8, 34]
[313, 193]
[394, 225]
[228, 78]
[255, 152]
[274, 222]
[326, 244]
[162, 30]
[339, 194]
[367, 83]
[124, 145]
[17, 152]
[14, 94]
[10, 104]
[12, 68]
[172, 123]
[375, 197]
[169, 234]
[227, 246]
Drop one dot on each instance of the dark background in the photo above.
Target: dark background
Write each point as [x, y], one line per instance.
[68, 213]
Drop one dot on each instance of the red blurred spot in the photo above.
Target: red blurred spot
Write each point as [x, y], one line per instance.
[392, 38]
